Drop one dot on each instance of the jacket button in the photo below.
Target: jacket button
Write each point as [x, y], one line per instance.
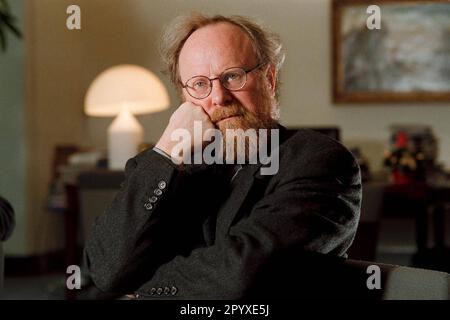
[162, 185]
[173, 291]
[153, 199]
[148, 206]
[152, 291]
[166, 291]
[159, 291]
[157, 192]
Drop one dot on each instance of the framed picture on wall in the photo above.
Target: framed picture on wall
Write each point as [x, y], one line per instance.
[405, 58]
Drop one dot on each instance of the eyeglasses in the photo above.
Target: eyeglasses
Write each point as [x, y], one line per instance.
[200, 87]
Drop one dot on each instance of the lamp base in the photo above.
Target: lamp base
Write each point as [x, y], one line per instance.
[125, 134]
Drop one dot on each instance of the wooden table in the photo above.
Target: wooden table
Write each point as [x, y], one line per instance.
[420, 200]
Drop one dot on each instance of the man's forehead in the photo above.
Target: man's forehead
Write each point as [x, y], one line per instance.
[215, 47]
[219, 30]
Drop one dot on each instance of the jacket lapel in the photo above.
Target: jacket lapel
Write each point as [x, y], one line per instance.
[243, 184]
[246, 179]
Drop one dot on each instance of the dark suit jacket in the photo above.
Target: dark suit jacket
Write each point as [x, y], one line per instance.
[187, 234]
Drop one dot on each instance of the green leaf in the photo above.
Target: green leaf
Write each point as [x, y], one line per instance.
[12, 27]
[4, 6]
[3, 16]
[7, 22]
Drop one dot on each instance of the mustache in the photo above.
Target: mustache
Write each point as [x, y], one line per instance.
[221, 113]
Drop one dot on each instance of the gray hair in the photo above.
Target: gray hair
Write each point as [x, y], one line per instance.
[267, 45]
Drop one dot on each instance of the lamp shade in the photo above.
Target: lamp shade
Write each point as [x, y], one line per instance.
[125, 85]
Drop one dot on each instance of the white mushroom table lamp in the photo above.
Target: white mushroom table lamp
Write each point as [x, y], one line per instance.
[125, 91]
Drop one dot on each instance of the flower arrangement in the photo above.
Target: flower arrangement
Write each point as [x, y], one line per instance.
[407, 162]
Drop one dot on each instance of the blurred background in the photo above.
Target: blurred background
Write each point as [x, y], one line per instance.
[54, 156]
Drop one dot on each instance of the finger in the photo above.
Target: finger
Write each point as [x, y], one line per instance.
[190, 104]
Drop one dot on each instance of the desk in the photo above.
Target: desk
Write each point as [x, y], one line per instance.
[419, 200]
[88, 192]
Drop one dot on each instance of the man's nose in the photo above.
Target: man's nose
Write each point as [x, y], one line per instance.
[220, 95]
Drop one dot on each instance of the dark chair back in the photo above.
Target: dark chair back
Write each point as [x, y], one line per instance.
[332, 132]
[311, 275]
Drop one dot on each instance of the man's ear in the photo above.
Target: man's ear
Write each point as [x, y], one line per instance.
[271, 76]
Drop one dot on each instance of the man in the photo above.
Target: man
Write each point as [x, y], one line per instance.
[190, 231]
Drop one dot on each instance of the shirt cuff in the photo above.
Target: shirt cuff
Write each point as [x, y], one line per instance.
[162, 153]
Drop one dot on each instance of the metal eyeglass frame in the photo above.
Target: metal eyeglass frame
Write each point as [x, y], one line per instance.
[185, 86]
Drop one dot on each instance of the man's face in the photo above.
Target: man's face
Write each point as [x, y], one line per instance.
[211, 50]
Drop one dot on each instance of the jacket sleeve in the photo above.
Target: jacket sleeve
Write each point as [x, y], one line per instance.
[318, 214]
[129, 239]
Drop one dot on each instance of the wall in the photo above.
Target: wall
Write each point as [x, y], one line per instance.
[62, 64]
[54, 113]
[12, 136]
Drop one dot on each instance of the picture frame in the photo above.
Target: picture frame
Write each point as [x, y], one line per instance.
[406, 60]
